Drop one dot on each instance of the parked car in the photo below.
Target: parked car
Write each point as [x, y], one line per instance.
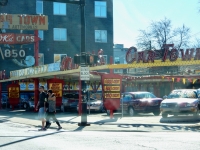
[29, 105]
[140, 102]
[4, 101]
[94, 105]
[69, 101]
[181, 101]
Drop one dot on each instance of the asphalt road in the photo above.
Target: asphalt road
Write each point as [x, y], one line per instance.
[24, 137]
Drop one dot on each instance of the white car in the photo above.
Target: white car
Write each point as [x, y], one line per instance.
[181, 101]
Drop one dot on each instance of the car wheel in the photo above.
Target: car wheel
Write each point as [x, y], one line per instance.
[62, 108]
[131, 111]
[25, 106]
[196, 114]
[164, 115]
[175, 115]
[156, 113]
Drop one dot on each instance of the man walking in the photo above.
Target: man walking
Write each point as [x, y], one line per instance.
[42, 109]
[51, 110]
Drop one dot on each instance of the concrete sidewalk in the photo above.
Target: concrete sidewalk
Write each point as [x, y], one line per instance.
[104, 123]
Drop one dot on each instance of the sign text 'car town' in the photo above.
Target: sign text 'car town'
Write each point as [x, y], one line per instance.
[172, 54]
[23, 22]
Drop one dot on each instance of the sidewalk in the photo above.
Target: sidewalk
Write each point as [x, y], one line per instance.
[104, 123]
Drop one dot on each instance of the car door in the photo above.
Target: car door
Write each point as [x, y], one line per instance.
[125, 100]
[135, 102]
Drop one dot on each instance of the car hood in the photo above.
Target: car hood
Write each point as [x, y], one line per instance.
[95, 102]
[179, 100]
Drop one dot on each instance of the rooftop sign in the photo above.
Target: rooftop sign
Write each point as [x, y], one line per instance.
[134, 57]
[23, 22]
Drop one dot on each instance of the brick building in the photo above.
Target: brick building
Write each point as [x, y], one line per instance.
[63, 36]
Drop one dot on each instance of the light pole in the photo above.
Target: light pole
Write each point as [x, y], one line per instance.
[81, 3]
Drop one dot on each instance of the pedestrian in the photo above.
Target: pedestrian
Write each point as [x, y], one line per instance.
[51, 110]
[41, 105]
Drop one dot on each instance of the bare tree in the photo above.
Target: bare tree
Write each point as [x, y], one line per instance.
[197, 43]
[144, 40]
[160, 33]
[182, 35]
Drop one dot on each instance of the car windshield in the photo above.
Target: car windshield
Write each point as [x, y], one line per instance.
[144, 95]
[182, 94]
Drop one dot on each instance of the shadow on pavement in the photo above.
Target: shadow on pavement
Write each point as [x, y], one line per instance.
[33, 137]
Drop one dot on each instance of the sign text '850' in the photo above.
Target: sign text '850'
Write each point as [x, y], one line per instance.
[13, 53]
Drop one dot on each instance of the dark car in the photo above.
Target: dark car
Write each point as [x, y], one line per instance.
[69, 101]
[4, 101]
[140, 102]
[29, 105]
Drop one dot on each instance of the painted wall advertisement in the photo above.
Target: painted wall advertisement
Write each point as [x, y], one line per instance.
[56, 88]
[111, 84]
[13, 94]
[56, 85]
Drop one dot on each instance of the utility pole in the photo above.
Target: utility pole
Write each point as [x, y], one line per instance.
[83, 63]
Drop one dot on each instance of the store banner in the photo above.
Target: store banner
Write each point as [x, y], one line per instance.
[30, 86]
[111, 88]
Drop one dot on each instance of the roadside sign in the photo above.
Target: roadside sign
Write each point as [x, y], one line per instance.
[85, 73]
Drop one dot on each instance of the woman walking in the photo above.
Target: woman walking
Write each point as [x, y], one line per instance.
[51, 110]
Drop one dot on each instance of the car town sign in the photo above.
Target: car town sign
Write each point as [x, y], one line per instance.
[23, 22]
[172, 54]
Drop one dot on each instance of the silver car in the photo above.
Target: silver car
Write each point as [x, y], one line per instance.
[181, 101]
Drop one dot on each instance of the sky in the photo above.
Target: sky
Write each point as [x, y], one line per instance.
[130, 16]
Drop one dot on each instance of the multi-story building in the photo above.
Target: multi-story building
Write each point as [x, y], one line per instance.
[63, 36]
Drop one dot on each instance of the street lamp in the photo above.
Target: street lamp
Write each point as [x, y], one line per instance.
[81, 3]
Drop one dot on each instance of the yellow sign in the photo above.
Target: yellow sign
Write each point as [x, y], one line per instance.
[13, 92]
[111, 81]
[56, 88]
[112, 95]
[23, 22]
[111, 88]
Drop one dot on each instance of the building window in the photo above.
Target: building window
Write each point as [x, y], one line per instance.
[39, 7]
[101, 36]
[117, 60]
[59, 8]
[59, 57]
[41, 34]
[60, 34]
[100, 9]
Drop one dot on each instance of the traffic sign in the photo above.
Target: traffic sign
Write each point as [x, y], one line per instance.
[85, 73]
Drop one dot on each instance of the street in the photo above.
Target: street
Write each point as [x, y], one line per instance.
[19, 136]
